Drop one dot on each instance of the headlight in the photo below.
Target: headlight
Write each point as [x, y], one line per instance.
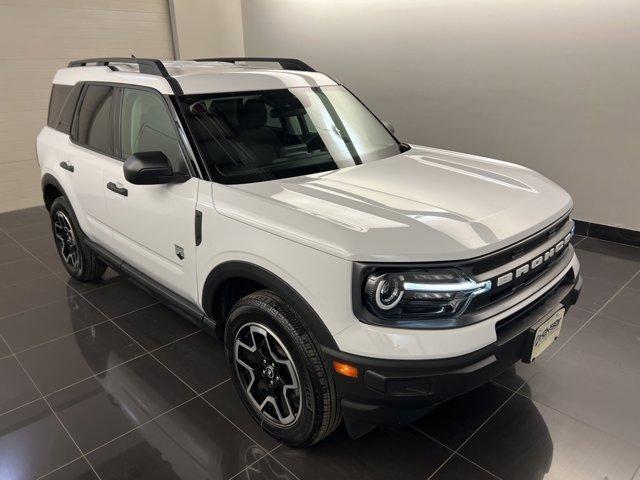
[420, 293]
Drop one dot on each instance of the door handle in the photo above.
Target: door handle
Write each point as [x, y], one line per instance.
[120, 190]
[67, 166]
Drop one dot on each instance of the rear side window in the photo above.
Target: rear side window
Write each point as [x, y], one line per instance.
[94, 119]
[59, 94]
[62, 105]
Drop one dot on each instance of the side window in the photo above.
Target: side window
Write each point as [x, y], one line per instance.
[94, 119]
[59, 94]
[62, 105]
[148, 127]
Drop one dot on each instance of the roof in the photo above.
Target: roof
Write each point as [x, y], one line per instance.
[196, 76]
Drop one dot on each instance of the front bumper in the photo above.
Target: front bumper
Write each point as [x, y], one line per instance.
[400, 391]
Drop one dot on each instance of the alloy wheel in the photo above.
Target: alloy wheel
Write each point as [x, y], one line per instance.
[267, 374]
[66, 240]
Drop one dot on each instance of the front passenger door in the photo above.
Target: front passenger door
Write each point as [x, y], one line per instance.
[152, 225]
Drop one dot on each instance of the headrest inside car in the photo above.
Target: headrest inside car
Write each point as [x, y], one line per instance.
[253, 114]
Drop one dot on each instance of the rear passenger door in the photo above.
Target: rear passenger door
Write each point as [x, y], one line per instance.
[91, 144]
[152, 225]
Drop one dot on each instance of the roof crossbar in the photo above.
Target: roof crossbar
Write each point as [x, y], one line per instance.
[285, 63]
[149, 66]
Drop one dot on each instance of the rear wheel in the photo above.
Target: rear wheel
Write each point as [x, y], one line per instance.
[79, 261]
[278, 372]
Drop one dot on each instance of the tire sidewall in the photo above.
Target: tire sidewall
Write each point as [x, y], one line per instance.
[302, 429]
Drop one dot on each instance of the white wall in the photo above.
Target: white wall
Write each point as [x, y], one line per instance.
[554, 85]
[207, 28]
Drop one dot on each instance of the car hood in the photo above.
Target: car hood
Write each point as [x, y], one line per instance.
[423, 205]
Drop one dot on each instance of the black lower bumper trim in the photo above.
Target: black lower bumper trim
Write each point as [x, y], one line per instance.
[400, 391]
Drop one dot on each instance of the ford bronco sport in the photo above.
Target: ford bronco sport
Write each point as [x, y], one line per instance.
[351, 276]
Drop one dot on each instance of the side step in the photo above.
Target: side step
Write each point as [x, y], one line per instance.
[181, 305]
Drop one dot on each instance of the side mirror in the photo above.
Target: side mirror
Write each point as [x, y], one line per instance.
[389, 126]
[150, 168]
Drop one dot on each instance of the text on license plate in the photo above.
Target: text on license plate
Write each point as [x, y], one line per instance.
[546, 333]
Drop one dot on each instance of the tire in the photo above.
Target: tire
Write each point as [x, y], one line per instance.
[313, 411]
[82, 265]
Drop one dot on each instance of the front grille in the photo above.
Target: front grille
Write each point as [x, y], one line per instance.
[507, 323]
[519, 255]
[496, 294]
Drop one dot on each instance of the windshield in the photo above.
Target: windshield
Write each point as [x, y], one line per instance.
[265, 135]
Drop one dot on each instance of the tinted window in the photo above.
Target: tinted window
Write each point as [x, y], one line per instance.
[59, 94]
[148, 127]
[62, 105]
[94, 119]
[68, 109]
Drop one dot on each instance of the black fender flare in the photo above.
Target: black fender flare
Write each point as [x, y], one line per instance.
[48, 179]
[246, 270]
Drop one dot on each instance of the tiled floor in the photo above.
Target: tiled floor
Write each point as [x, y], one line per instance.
[102, 381]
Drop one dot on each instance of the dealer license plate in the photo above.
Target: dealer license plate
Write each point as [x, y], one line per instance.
[545, 334]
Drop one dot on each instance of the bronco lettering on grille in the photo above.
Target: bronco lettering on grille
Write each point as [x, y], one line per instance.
[533, 264]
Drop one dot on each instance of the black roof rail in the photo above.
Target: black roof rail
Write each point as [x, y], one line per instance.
[285, 63]
[149, 66]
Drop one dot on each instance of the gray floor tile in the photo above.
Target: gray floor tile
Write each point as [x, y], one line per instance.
[595, 293]
[33, 230]
[22, 270]
[226, 399]
[40, 246]
[595, 379]
[190, 442]
[78, 470]
[625, 306]
[155, 326]
[101, 408]
[382, 454]
[527, 441]
[119, 298]
[10, 252]
[16, 388]
[62, 362]
[454, 421]
[458, 468]
[608, 261]
[47, 322]
[31, 294]
[26, 216]
[33, 443]
[198, 360]
[4, 349]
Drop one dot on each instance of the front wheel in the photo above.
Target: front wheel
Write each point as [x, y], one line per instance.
[277, 370]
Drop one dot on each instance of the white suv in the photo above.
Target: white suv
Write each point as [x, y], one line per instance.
[351, 276]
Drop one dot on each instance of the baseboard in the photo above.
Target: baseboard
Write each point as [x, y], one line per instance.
[606, 232]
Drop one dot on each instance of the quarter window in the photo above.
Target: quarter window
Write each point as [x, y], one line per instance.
[62, 104]
[94, 119]
[59, 94]
[148, 127]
